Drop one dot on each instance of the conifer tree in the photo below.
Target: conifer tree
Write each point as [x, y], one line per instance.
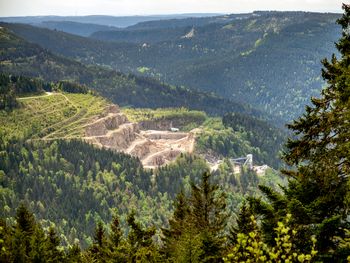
[142, 248]
[207, 208]
[99, 250]
[116, 232]
[209, 216]
[244, 224]
[23, 233]
[322, 150]
[196, 229]
[38, 252]
[317, 190]
[177, 224]
[74, 254]
[53, 254]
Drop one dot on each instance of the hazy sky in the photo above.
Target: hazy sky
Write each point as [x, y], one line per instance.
[141, 7]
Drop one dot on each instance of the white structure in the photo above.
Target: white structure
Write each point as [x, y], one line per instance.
[245, 161]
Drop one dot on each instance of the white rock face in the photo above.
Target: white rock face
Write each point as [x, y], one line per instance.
[113, 130]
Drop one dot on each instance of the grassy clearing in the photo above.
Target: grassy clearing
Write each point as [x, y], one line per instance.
[60, 115]
[137, 115]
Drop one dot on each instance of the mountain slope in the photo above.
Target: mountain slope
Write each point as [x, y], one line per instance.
[80, 29]
[19, 57]
[239, 59]
[116, 21]
[46, 164]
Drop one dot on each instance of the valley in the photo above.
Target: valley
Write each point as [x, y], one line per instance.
[230, 56]
[92, 119]
[175, 138]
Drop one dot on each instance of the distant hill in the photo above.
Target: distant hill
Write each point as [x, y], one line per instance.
[20, 57]
[116, 21]
[161, 30]
[270, 60]
[80, 29]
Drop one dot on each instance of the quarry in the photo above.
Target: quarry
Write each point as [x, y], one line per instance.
[113, 130]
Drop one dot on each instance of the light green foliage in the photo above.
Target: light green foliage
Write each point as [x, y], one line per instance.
[344, 243]
[188, 248]
[251, 248]
[60, 115]
[143, 69]
[222, 141]
[180, 117]
[226, 138]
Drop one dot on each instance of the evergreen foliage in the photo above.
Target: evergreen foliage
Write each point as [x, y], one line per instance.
[75, 189]
[197, 227]
[243, 225]
[123, 89]
[318, 187]
[235, 58]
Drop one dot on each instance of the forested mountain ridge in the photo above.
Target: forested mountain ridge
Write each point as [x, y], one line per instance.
[45, 165]
[105, 20]
[20, 57]
[238, 59]
[180, 212]
[80, 29]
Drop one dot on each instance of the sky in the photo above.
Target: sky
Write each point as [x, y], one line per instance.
[148, 7]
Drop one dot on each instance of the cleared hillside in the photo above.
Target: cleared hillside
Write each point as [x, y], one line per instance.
[54, 115]
[66, 116]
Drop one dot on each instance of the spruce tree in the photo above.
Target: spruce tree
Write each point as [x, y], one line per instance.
[208, 206]
[244, 223]
[177, 225]
[38, 252]
[53, 253]
[141, 245]
[209, 217]
[321, 151]
[74, 254]
[116, 232]
[99, 250]
[318, 186]
[197, 227]
[24, 232]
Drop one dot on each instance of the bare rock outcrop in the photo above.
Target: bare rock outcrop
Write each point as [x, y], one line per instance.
[117, 139]
[113, 130]
[103, 125]
[141, 148]
[161, 158]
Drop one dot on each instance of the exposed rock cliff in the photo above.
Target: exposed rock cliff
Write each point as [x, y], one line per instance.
[113, 130]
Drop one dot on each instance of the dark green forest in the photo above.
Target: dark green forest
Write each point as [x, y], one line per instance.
[20, 57]
[64, 200]
[235, 57]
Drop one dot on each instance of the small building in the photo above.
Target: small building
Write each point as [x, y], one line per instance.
[174, 129]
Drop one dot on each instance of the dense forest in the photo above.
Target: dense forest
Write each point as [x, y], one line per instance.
[23, 58]
[64, 200]
[235, 57]
[46, 174]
